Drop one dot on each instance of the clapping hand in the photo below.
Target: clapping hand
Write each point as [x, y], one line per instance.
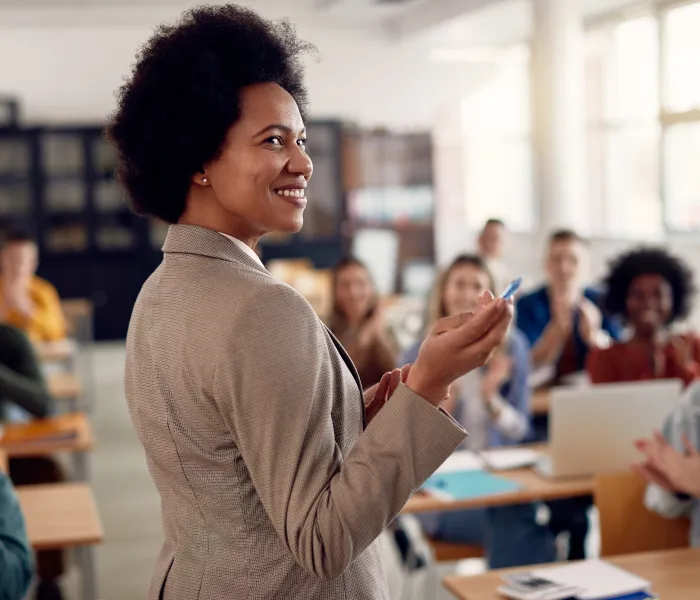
[668, 468]
[590, 322]
[378, 395]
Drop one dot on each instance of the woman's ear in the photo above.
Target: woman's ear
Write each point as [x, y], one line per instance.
[201, 178]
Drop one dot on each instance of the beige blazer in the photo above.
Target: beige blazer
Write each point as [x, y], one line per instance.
[252, 420]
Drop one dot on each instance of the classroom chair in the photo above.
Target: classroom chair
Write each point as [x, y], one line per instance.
[626, 525]
[451, 552]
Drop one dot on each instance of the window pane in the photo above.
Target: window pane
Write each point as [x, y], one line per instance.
[497, 148]
[682, 176]
[498, 177]
[682, 57]
[631, 73]
[631, 175]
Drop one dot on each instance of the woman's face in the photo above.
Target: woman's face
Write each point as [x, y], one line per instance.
[463, 286]
[354, 292]
[649, 303]
[260, 177]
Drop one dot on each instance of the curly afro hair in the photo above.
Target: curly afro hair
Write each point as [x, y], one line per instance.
[174, 112]
[649, 261]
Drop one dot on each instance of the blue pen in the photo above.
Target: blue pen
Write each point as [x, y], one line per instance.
[512, 288]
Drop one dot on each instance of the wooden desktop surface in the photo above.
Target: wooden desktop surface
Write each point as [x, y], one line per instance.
[534, 487]
[60, 351]
[63, 433]
[674, 575]
[64, 386]
[60, 515]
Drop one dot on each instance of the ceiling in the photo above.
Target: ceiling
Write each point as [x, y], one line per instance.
[486, 22]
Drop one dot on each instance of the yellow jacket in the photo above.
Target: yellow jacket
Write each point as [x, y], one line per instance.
[46, 323]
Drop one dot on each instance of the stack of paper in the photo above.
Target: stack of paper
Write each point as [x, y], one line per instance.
[586, 580]
[505, 459]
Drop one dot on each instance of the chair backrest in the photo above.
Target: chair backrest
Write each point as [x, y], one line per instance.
[626, 525]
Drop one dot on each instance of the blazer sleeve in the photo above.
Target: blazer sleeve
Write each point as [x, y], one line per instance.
[275, 384]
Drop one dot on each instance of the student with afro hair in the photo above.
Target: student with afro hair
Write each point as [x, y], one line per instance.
[650, 289]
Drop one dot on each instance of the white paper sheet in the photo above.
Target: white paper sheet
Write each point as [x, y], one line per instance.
[461, 460]
[599, 578]
[510, 458]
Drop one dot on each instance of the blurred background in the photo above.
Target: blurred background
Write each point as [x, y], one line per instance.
[428, 117]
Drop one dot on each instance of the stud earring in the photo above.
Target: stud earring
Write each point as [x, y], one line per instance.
[205, 180]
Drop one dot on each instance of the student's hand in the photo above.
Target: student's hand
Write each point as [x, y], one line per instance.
[590, 322]
[371, 329]
[562, 314]
[665, 466]
[680, 350]
[457, 345]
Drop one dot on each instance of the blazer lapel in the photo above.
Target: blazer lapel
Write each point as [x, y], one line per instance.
[349, 364]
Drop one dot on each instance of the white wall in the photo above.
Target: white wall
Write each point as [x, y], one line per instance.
[65, 65]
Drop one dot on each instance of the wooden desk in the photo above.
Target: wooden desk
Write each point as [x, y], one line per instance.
[47, 436]
[62, 351]
[60, 515]
[674, 575]
[534, 487]
[539, 402]
[64, 515]
[64, 386]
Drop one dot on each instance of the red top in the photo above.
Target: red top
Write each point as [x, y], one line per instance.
[627, 362]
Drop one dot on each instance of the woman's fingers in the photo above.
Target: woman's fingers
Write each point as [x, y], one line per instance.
[483, 348]
[394, 381]
[652, 475]
[382, 387]
[482, 323]
[405, 370]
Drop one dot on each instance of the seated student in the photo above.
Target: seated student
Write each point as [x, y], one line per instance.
[562, 319]
[493, 405]
[357, 322]
[16, 558]
[21, 384]
[672, 464]
[27, 301]
[563, 322]
[650, 290]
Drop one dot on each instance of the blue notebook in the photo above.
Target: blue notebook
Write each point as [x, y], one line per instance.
[463, 485]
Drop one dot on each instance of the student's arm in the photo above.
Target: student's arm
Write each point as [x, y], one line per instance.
[683, 358]
[276, 384]
[513, 410]
[385, 352]
[48, 321]
[16, 559]
[43, 317]
[24, 385]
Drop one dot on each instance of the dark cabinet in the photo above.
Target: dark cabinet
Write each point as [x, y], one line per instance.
[58, 183]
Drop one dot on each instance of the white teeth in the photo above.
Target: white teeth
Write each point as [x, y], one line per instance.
[298, 193]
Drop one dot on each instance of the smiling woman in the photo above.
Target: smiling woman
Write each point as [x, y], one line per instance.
[275, 482]
[650, 290]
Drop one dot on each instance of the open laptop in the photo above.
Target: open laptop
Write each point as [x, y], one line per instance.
[592, 429]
